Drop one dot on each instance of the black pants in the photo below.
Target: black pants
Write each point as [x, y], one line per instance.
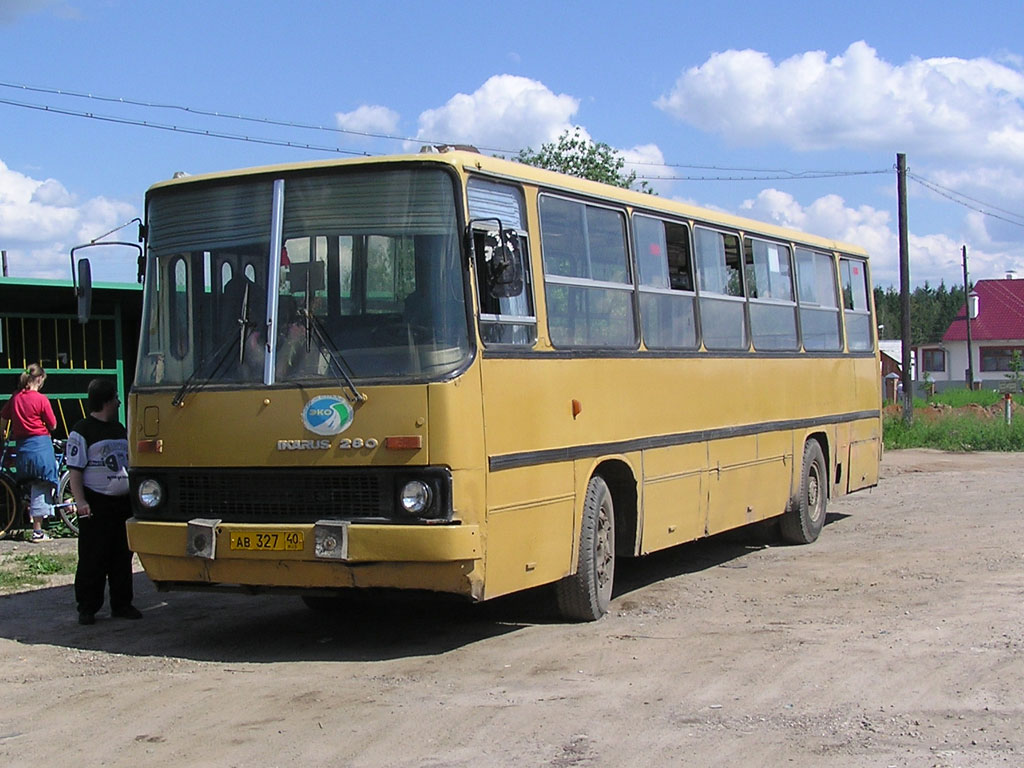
[103, 554]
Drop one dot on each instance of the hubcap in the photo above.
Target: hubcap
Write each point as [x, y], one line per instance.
[605, 548]
[813, 494]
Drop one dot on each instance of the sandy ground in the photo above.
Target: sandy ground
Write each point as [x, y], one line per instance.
[895, 640]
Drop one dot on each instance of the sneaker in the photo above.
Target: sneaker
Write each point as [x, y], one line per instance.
[127, 612]
[40, 536]
[86, 618]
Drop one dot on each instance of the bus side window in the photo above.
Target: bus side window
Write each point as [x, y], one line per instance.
[819, 307]
[720, 282]
[668, 309]
[769, 275]
[504, 320]
[855, 304]
[588, 282]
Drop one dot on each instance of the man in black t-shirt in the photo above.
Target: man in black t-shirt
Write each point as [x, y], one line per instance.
[97, 456]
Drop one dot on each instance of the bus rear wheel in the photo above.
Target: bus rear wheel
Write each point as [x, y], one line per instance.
[805, 516]
[586, 594]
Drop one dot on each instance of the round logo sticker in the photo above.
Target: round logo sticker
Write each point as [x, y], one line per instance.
[327, 415]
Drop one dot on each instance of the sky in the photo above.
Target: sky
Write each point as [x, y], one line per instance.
[787, 112]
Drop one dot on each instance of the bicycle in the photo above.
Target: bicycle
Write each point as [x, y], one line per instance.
[14, 492]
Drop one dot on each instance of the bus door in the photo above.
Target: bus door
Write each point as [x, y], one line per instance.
[530, 503]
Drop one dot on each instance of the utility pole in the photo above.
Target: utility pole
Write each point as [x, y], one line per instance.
[967, 318]
[901, 191]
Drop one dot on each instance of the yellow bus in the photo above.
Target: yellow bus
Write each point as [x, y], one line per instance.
[455, 373]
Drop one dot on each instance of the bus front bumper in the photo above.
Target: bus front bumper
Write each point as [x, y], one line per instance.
[327, 554]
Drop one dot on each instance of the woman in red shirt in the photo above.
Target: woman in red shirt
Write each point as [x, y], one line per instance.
[31, 419]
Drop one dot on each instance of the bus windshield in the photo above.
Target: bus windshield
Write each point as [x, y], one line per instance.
[364, 271]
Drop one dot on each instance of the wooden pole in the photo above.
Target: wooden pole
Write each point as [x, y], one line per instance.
[908, 385]
[967, 305]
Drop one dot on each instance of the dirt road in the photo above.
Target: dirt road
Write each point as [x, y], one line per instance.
[895, 640]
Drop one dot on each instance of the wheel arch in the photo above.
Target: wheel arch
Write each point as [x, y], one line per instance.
[621, 481]
[821, 438]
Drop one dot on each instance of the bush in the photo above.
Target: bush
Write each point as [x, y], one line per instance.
[955, 432]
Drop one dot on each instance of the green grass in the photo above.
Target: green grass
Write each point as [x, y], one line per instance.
[957, 430]
[31, 569]
[58, 530]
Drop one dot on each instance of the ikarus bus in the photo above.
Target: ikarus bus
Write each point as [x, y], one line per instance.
[454, 373]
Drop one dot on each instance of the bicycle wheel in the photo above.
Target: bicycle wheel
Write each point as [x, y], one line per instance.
[8, 505]
[66, 509]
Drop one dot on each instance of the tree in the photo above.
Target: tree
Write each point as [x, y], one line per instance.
[588, 159]
[931, 311]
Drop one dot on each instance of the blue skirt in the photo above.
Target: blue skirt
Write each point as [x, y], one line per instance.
[35, 459]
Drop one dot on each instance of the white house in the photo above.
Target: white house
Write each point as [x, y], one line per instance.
[997, 331]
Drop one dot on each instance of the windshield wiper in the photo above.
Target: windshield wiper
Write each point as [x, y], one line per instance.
[315, 332]
[220, 354]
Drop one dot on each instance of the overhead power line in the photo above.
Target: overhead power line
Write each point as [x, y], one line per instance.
[778, 176]
[763, 174]
[228, 116]
[960, 197]
[180, 129]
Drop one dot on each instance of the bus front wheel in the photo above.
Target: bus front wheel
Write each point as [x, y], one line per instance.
[586, 594]
[805, 515]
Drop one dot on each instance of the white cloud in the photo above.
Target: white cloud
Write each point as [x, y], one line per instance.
[648, 160]
[368, 119]
[40, 221]
[933, 257]
[52, 193]
[952, 106]
[506, 112]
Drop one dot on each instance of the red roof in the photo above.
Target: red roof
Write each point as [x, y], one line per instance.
[1000, 313]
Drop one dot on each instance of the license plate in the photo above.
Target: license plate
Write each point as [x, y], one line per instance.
[267, 541]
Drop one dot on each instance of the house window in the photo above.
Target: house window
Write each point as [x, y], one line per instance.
[998, 358]
[933, 360]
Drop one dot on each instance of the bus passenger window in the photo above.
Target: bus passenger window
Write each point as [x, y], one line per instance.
[770, 290]
[588, 286]
[720, 283]
[819, 307]
[667, 302]
[855, 304]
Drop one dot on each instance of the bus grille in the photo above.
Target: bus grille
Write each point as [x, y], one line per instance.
[264, 495]
[269, 495]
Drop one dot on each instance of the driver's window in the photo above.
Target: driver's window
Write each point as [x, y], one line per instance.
[504, 318]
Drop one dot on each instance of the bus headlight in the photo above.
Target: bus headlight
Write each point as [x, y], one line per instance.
[150, 493]
[415, 497]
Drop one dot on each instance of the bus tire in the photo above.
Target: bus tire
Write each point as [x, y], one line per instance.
[805, 515]
[586, 594]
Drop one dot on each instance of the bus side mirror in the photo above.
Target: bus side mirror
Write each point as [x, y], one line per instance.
[84, 291]
[504, 267]
[81, 274]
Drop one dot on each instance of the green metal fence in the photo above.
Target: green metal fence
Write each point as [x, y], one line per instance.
[72, 353]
